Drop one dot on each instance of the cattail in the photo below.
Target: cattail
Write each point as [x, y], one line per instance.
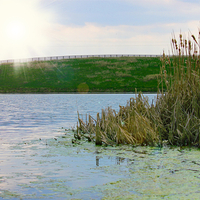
[189, 45]
[194, 39]
[181, 40]
[163, 55]
[197, 64]
[185, 43]
[169, 60]
[98, 140]
[179, 51]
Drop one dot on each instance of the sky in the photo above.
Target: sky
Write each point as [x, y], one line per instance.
[38, 28]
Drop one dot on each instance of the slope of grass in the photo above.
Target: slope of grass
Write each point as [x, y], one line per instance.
[122, 74]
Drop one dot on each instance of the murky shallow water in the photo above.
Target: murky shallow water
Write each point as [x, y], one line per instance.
[38, 160]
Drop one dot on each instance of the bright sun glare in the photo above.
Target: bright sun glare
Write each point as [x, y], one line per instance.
[16, 30]
[24, 29]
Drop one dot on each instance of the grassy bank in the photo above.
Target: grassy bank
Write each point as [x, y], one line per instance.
[122, 74]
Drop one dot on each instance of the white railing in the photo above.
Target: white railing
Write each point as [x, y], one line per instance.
[72, 57]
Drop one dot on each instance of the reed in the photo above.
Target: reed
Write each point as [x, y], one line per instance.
[179, 105]
[174, 119]
[131, 125]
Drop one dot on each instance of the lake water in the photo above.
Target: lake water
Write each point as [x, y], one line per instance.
[33, 116]
[38, 160]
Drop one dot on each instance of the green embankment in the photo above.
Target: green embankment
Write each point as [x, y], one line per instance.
[122, 74]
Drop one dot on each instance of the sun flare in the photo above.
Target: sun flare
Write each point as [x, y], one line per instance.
[24, 29]
[16, 30]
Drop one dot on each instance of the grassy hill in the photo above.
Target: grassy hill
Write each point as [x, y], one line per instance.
[122, 74]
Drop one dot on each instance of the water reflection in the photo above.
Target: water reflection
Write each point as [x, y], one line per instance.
[97, 160]
[116, 160]
[120, 160]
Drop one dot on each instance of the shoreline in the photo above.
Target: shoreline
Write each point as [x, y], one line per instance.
[77, 93]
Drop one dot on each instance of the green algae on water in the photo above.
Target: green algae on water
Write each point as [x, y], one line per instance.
[58, 171]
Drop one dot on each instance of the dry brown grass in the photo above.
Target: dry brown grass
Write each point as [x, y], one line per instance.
[100, 63]
[123, 74]
[91, 76]
[42, 65]
[95, 82]
[113, 127]
[151, 77]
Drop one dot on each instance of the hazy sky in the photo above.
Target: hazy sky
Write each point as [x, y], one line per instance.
[67, 27]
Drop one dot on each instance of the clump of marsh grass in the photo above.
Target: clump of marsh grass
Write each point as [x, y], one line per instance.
[133, 124]
[174, 118]
[179, 105]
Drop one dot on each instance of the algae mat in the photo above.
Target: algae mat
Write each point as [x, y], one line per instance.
[57, 169]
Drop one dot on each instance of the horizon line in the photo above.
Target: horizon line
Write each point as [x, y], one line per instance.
[48, 58]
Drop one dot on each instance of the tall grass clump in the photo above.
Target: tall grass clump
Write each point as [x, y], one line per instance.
[175, 118]
[179, 106]
[133, 124]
